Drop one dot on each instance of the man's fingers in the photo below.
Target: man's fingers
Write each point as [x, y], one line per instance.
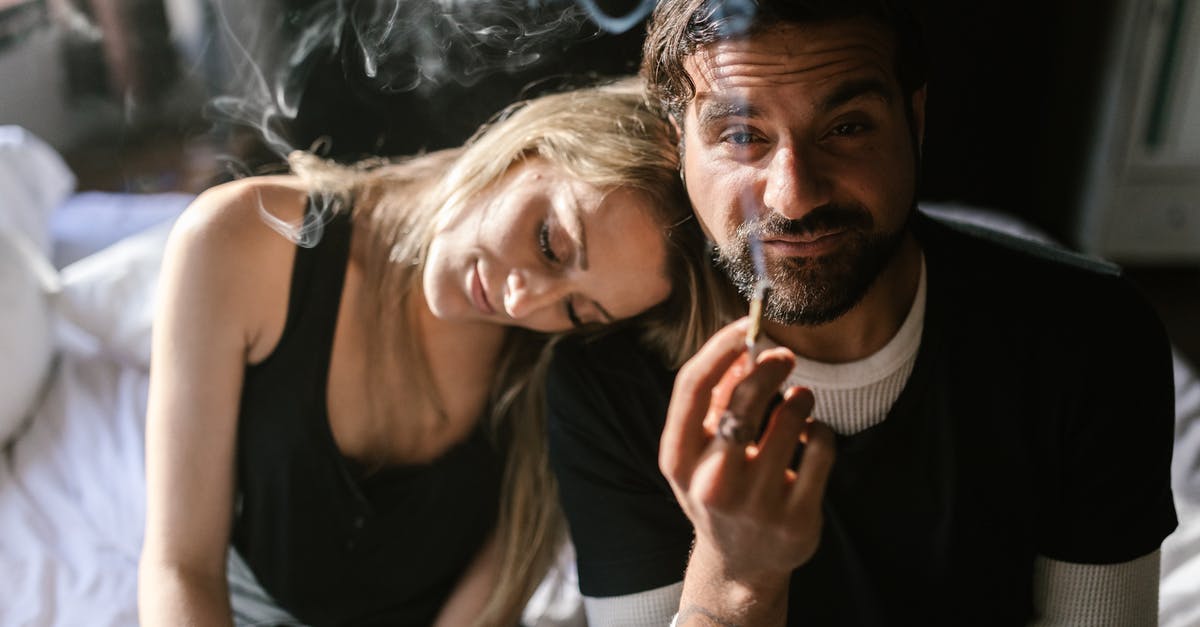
[754, 392]
[724, 388]
[719, 480]
[779, 441]
[819, 450]
[750, 399]
[684, 438]
[708, 366]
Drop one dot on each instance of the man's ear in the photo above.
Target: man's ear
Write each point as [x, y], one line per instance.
[918, 114]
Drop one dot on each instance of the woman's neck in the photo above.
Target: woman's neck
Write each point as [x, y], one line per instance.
[460, 359]
[431, 381]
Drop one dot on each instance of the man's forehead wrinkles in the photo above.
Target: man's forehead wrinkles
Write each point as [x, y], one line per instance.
[816, 81]
[734, 65]
[789, 55]
[737, 70]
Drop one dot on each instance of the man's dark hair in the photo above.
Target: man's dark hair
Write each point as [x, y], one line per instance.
[679, 27]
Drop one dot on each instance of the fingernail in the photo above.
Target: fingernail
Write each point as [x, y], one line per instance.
[794, 390]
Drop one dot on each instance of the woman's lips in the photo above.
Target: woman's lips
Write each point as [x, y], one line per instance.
[479, 293]
[806, 245]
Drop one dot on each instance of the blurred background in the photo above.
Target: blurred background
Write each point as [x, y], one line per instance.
[1079, 117]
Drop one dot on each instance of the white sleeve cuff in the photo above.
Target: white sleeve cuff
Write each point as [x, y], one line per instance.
[651, 607]
[1096, 594]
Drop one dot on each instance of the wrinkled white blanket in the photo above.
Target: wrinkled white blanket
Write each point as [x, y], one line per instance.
[72, 500]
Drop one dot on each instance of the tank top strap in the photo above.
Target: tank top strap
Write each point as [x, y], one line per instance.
[318, 276]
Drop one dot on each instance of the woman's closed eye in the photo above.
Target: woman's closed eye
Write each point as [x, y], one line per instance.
[585, 313]
[546, 246]
[572, 315]
[544, 243]
[555, 245]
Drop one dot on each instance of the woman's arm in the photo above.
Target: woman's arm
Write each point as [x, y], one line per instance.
[211, 298]
[466, 602]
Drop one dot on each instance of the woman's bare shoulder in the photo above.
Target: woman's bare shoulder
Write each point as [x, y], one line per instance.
[229, 223]
[223, 250]
[236, 209]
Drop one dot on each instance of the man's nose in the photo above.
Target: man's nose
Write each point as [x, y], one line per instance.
[796, 183]
[526, 292]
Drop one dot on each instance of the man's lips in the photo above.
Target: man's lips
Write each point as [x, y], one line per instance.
[807, 244]
[479, 293]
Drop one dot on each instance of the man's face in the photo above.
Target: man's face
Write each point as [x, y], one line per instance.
[799, 136]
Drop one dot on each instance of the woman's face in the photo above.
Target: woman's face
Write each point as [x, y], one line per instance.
[542, 250]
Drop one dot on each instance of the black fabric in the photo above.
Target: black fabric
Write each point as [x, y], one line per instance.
[329, 547]
[1038, 420]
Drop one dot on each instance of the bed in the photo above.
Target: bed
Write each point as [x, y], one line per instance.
[77, 276]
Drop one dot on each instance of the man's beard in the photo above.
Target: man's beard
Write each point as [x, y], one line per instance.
[812, 291]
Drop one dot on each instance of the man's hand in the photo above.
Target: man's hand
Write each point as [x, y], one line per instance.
[756, 517]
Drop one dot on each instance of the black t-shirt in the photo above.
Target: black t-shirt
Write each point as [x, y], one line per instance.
[332, 545]
[1038, 420]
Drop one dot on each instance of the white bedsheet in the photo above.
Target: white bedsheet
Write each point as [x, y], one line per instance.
[72, 500]
[1179, 589]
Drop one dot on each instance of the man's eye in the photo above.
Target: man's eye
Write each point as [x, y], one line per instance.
[544, 243]
[848, 129]
[739, 138]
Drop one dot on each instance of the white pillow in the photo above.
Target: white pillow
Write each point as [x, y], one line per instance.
[26, 340]
[33, 180]
[89, 222]
[110, 294]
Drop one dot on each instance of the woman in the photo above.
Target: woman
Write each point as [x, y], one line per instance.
[360, 419]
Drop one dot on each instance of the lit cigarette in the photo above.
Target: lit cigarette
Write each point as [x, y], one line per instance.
[756, 311]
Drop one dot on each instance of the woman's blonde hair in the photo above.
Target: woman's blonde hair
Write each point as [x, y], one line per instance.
[608, 136]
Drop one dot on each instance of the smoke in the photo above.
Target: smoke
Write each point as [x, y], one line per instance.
[385, 46]
[382, 48]
[266, 76]
[423, 44]
[617, 24]
[391, 46]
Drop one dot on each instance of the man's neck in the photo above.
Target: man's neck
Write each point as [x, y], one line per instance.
[870, 324]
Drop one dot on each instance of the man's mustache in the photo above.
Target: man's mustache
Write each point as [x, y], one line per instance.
[824, 218]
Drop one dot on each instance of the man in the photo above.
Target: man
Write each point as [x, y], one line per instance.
[1003, 412]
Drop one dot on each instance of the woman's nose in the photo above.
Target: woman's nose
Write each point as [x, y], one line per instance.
[527, 292]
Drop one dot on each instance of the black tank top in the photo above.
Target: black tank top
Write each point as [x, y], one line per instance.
[329, 547]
